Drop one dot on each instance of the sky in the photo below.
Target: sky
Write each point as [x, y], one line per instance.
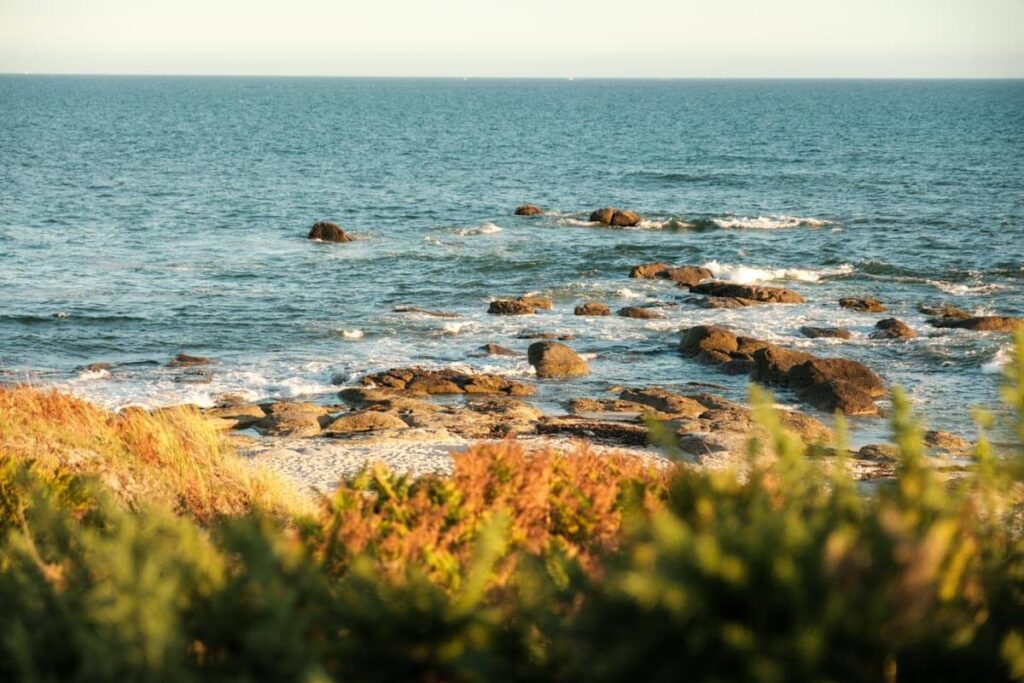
[544, 38]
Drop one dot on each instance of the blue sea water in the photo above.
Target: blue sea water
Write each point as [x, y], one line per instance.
[141, 217]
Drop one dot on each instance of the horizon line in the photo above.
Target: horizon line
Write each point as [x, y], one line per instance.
[513, 77]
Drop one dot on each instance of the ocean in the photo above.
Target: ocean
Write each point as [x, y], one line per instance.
[142, 217]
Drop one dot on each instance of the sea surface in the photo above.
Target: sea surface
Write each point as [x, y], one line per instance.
[141, 217]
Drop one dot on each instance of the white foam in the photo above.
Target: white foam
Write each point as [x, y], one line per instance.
[962, 289]
[350, 334]
[454, 328]
[741, 274]
[627, 293]
[998, 364]
[484, 229]
[768, 222]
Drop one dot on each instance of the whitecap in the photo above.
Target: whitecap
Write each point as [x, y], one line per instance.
[741, 274]
[484, 229]
[998, 364]
[955, 289]
[627, 293]
[768, 222]
[350, 334]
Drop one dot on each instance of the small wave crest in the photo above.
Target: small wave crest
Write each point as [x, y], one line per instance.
[484, 229]
[768, 222]
[741, 274]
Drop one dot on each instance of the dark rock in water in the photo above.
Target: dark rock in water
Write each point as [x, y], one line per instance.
[551, 359]
[718, 302]
[544, 335]
[826, 332]
[981, 323]
[945, 311]
[524, 305]
[838, 395]
[648, 271]
[592, 308]
[946, 441]
[328, 232]
[96, 367]
[862, 304]
[421, 381]
[616, 217]
[773, 364]
[831, 370]
[183, 360]
[423, 311]
[641, 313]
[496, 350]
[701, 338]
[686, 276]
[774, 295]
[529, 210]
[891, 328]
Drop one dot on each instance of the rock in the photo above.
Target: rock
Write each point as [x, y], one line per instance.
[772, 364]
[945, 311]
[664, 401]
[183, 360]
[591, 308]
[830, 370]
[717, 302]
[883, 452]
[551, 359]
[616, 217]
[624, 433]
[421, 381]
[529, 210]
[826, 332]
[862, 304]
[618, 408]
[496, 350]
[365, 421]
[981, 323]
[524, 305]
[295, 419]
[648, 271]
[686, 276]
[837, 395]
[505, 408]
[328, 232]
[774, 295]
[702, 338]
[417, 309]
[544, 335]
[641, 313]
[946, 441]
[237, 416]
[98, 367]
[891, 328]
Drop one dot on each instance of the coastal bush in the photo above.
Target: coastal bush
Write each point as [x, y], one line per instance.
[518, 567]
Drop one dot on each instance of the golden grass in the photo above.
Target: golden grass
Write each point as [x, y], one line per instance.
[173, 457]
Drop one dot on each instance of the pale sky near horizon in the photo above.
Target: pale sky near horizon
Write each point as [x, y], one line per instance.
[598, 38]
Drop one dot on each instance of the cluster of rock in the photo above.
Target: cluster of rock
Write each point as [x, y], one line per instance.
[828, 384]
[448, 381]
[615, 217]
[862, 304]
[687, 276]
[524, 305]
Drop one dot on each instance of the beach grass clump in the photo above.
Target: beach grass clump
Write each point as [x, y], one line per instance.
[555, 567]
[171, 457]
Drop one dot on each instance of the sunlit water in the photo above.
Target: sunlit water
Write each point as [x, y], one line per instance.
[143, 217]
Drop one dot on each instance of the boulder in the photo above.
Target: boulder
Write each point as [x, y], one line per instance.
[883, 452]
[664, 401]
[891, 328]
[591, 308]
[831, 370]
[364, 421]
[862, 304]
[772, 364]
[641, 313]
[616, 217]
[497, 350]
[946, 441]
[945, 311]
[328, 232]
[183, 360]
[826, 332]
[761, 294]
[552, 359]
[981, 323]
[524, 305]
[648, 271]
[686, 276]
[529, 210]
[450, 381]
[838, 395]
[292, 418]
[718, 302]
[237, 416]
[703, 338]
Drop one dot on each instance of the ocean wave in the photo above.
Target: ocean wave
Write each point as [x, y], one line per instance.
[354, 333]
[769, 222]
[741, 274]
[484, 229]
[959, 289]
[999, 362]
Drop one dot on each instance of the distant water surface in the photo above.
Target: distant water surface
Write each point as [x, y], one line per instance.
[145, 216]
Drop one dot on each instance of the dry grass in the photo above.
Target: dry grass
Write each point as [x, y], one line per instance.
[173, 457]
[569, 502]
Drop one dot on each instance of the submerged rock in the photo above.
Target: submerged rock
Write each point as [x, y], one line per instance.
[945, 311]
[862, 304]
[529, 210]
[497, 350]
[326, 231]
[183, 360]
[551, 360]
[981, 323]
[591, 308]
[424, 311]
[641, 313]
[891, 328]
[826, 332]
[758, 293]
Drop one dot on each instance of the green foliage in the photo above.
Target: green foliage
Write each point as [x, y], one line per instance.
[784, 570]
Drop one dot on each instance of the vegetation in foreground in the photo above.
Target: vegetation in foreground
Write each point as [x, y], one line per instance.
[136, 547]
